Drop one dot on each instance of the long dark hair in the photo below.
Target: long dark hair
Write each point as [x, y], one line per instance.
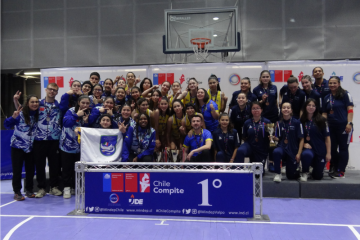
[140, 101]
[142, 83]
[152, 103]
[72, 102]
[135, 87]
[340, 91]
[213, 76]
[262, 72]
[77, 106]
[91, 87]
[181, 103]
[26, 110]
[319, 120]
[112, 82]
[167, 111]
[206, 99]
[114, 107]
[148, 127]
[230, 127]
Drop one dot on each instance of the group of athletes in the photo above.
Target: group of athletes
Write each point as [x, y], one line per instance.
[312, 126]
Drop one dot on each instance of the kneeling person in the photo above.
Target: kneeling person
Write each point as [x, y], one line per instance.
[198, 144]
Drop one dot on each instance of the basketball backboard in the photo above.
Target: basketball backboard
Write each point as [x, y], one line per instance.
[217, 27]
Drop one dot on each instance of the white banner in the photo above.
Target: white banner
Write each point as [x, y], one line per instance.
[65, 76]
[100, 145]
[229, 74]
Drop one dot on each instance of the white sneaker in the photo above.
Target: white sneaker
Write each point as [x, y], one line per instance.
[72, 191]
[303, 177]
[55, 191]
[277, 177]
[311, 169]
[283, 170]
[67, 193]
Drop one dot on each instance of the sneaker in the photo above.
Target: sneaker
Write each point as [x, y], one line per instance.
[311, 170]
[55, 191]
[29, 194]
[283, 170]
[18, 197]
[72, 191]
[331, 170]
[40, 193]
[303, 177]
[67, 193]
[277, 177]
[337, 174]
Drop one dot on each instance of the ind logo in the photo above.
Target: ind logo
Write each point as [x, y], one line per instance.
[108, 145]
[134, 201]
[144, 182]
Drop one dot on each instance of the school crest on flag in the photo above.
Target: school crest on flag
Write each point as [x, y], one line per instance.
[100, 145]
[108, 145]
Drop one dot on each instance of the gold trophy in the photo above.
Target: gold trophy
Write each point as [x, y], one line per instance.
[270, 128]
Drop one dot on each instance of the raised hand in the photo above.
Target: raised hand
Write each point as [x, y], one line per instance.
[212, 107]
[155, 86]
[110, 111]
[137, 80]
[17, 112]
[17, 96]
[122, 127]
[70, 92]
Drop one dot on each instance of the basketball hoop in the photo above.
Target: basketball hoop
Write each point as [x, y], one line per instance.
[200, 47]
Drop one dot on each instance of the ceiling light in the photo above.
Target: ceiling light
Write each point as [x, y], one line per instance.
[214, 35]
[215, 18]
[32, 73]
[292, 20]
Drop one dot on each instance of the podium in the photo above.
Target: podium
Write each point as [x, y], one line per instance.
[228, 190]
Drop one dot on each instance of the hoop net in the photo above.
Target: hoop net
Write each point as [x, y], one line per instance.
[200, 47]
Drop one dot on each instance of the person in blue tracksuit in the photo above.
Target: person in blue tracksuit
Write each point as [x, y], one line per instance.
[143, 144]
[97, 99]
[77, 116]
[266, 94]
[245, 86]
[126, 126]
[208, 108]
[240, 113]
[321, 85]
[294, 96]
[226, 140]
[46, 144]
[289, 133]
[338, 108]
[24, 120]
[317, 148]
[256, 145]
[69, 99]
[108, 107]
[306, 83]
